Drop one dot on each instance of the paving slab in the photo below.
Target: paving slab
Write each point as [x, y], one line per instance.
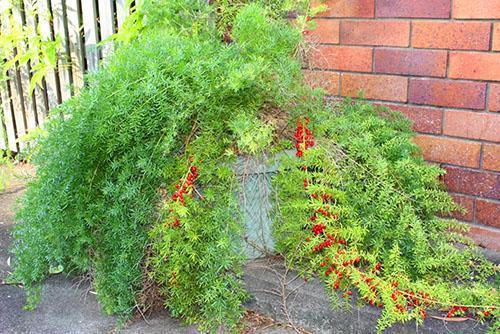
[310, 307]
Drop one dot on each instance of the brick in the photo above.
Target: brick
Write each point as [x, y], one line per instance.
[485, 237]
[347, 8]
[496, 37]
[329, 81]
[369, 32]
[476, 9]
[448, 93]
[449, 150]
[378, 87]
[327, 31]
[475, 65]
[411, 8]
[491, 157]
[473, 125]
[488, 212]
[494, 99]
[467, 204]
[472, 182]
[451, 35]
[424, 119]
[411, 61]
[345, 58]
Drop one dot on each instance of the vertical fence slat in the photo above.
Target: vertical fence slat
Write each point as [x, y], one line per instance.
[89, 14]
[3, 135]
[38, 95]
[63, 62]
[51, 79]
[3, 128]
[17, 104]
[76, 43]
[29, 107]
[3, 144]
[121, 12]
[8, 112]
[106, 22]
[8, 116]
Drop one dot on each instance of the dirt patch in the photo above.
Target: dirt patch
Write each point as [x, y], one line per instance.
[17, 179]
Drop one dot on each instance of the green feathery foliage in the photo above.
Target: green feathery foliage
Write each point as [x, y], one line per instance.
[134, 186]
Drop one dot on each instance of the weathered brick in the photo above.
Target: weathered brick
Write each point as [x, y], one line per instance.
[347, 8]
[448, 93]
[494, 99]
[476, 9]
[485, 237]
[329, 81]
[424, 119]
[472, 182]
[327, 31]
[411, 8]
[449, 150]
[451, 35]
[473, 125]
[411, 61]
[378, 87]
[475, 65]
[488, 212]
[491, 157]
[496, 37]
[345, 58]
[467, 203]
[369, 32]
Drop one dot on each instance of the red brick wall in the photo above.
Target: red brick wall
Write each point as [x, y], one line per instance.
[438, 62]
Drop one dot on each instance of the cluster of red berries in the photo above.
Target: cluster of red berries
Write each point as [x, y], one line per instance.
[456, 309]
[463, 309]
[416, 299]
[486, 314]
[324, 197]
[325, 212]
[186, 185]
[368, 280]
[330, 241]
[322, 211]
[176, 223]
[318, 228]
[303, 137]
[377, 268]
[321, 246]
[410, 299]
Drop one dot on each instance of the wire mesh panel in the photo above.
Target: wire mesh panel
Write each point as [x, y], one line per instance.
[256, 202]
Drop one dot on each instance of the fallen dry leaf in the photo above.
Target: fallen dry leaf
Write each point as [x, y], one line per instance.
[450, 319]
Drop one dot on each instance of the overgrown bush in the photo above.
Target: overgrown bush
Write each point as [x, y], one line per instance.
[134, 186]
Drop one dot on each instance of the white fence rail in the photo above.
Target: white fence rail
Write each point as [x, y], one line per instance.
[81, 25]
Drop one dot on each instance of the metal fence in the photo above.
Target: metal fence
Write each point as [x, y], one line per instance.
[81, 25]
